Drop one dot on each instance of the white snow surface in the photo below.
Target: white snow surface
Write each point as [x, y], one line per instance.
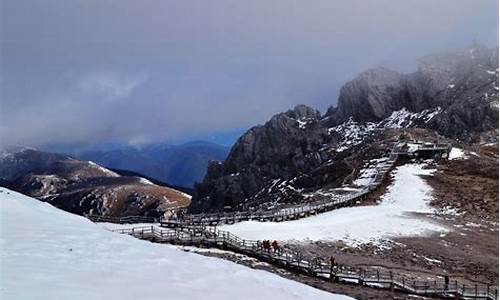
[145, 181]
[393, 217]
[456, 153]
[107, 171]
[353, 133]
[368, 173]
[50, 254]
[404, 118]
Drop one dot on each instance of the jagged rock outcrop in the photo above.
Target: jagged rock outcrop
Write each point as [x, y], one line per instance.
[463, 84]
[285, 146]
[370, 97]
[296, 152]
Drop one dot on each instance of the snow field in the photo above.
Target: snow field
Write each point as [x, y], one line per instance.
[50, 254]
[393, 217]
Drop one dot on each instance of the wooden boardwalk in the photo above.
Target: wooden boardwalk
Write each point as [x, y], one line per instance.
[292, 212]
[317, 267]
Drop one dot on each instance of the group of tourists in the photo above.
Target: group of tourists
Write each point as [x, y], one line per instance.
[266, 245]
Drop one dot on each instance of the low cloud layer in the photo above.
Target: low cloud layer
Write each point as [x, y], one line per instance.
[88, 71]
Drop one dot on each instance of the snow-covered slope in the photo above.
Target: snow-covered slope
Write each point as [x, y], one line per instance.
[393, 217]
[50, 254]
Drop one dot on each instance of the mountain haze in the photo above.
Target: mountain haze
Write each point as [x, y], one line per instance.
[178, 165]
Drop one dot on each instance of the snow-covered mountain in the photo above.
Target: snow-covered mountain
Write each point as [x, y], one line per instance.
[83, 186]
[301, 152]
[50, 254]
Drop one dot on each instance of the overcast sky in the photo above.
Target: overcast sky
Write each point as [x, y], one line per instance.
[88, 71]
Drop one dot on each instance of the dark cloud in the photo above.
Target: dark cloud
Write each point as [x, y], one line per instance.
[86, 71]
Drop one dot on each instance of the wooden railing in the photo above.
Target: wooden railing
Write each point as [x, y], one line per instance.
[123, 220]
[317, 267]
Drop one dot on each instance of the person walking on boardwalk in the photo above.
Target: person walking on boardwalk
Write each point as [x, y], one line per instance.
[332, 263]
[266, 245]
[260, 247]
[275, 246]
[333, 269]
[446, 282]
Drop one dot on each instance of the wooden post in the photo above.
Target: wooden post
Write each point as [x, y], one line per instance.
[378, 275]
[475, 289]
[392, 282]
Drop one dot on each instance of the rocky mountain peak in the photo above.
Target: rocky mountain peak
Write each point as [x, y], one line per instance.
[468, 67]
[377, 77]
[463, 83]
[302, 111]
[454, 95]
[369, 97]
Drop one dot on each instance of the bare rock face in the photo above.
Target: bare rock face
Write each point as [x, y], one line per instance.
[282, 148]
[370, 97]
[463, 84]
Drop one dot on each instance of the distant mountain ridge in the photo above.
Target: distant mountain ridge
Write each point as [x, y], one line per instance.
[178, 165]
[188, 191]
[84, 187]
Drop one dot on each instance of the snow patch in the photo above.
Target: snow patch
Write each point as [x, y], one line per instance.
[352, 133]
[456, 153]
[403, 118]
[145, 181]
[107, 171]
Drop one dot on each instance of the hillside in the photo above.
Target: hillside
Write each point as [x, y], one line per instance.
[83, 187]
[43, 247]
